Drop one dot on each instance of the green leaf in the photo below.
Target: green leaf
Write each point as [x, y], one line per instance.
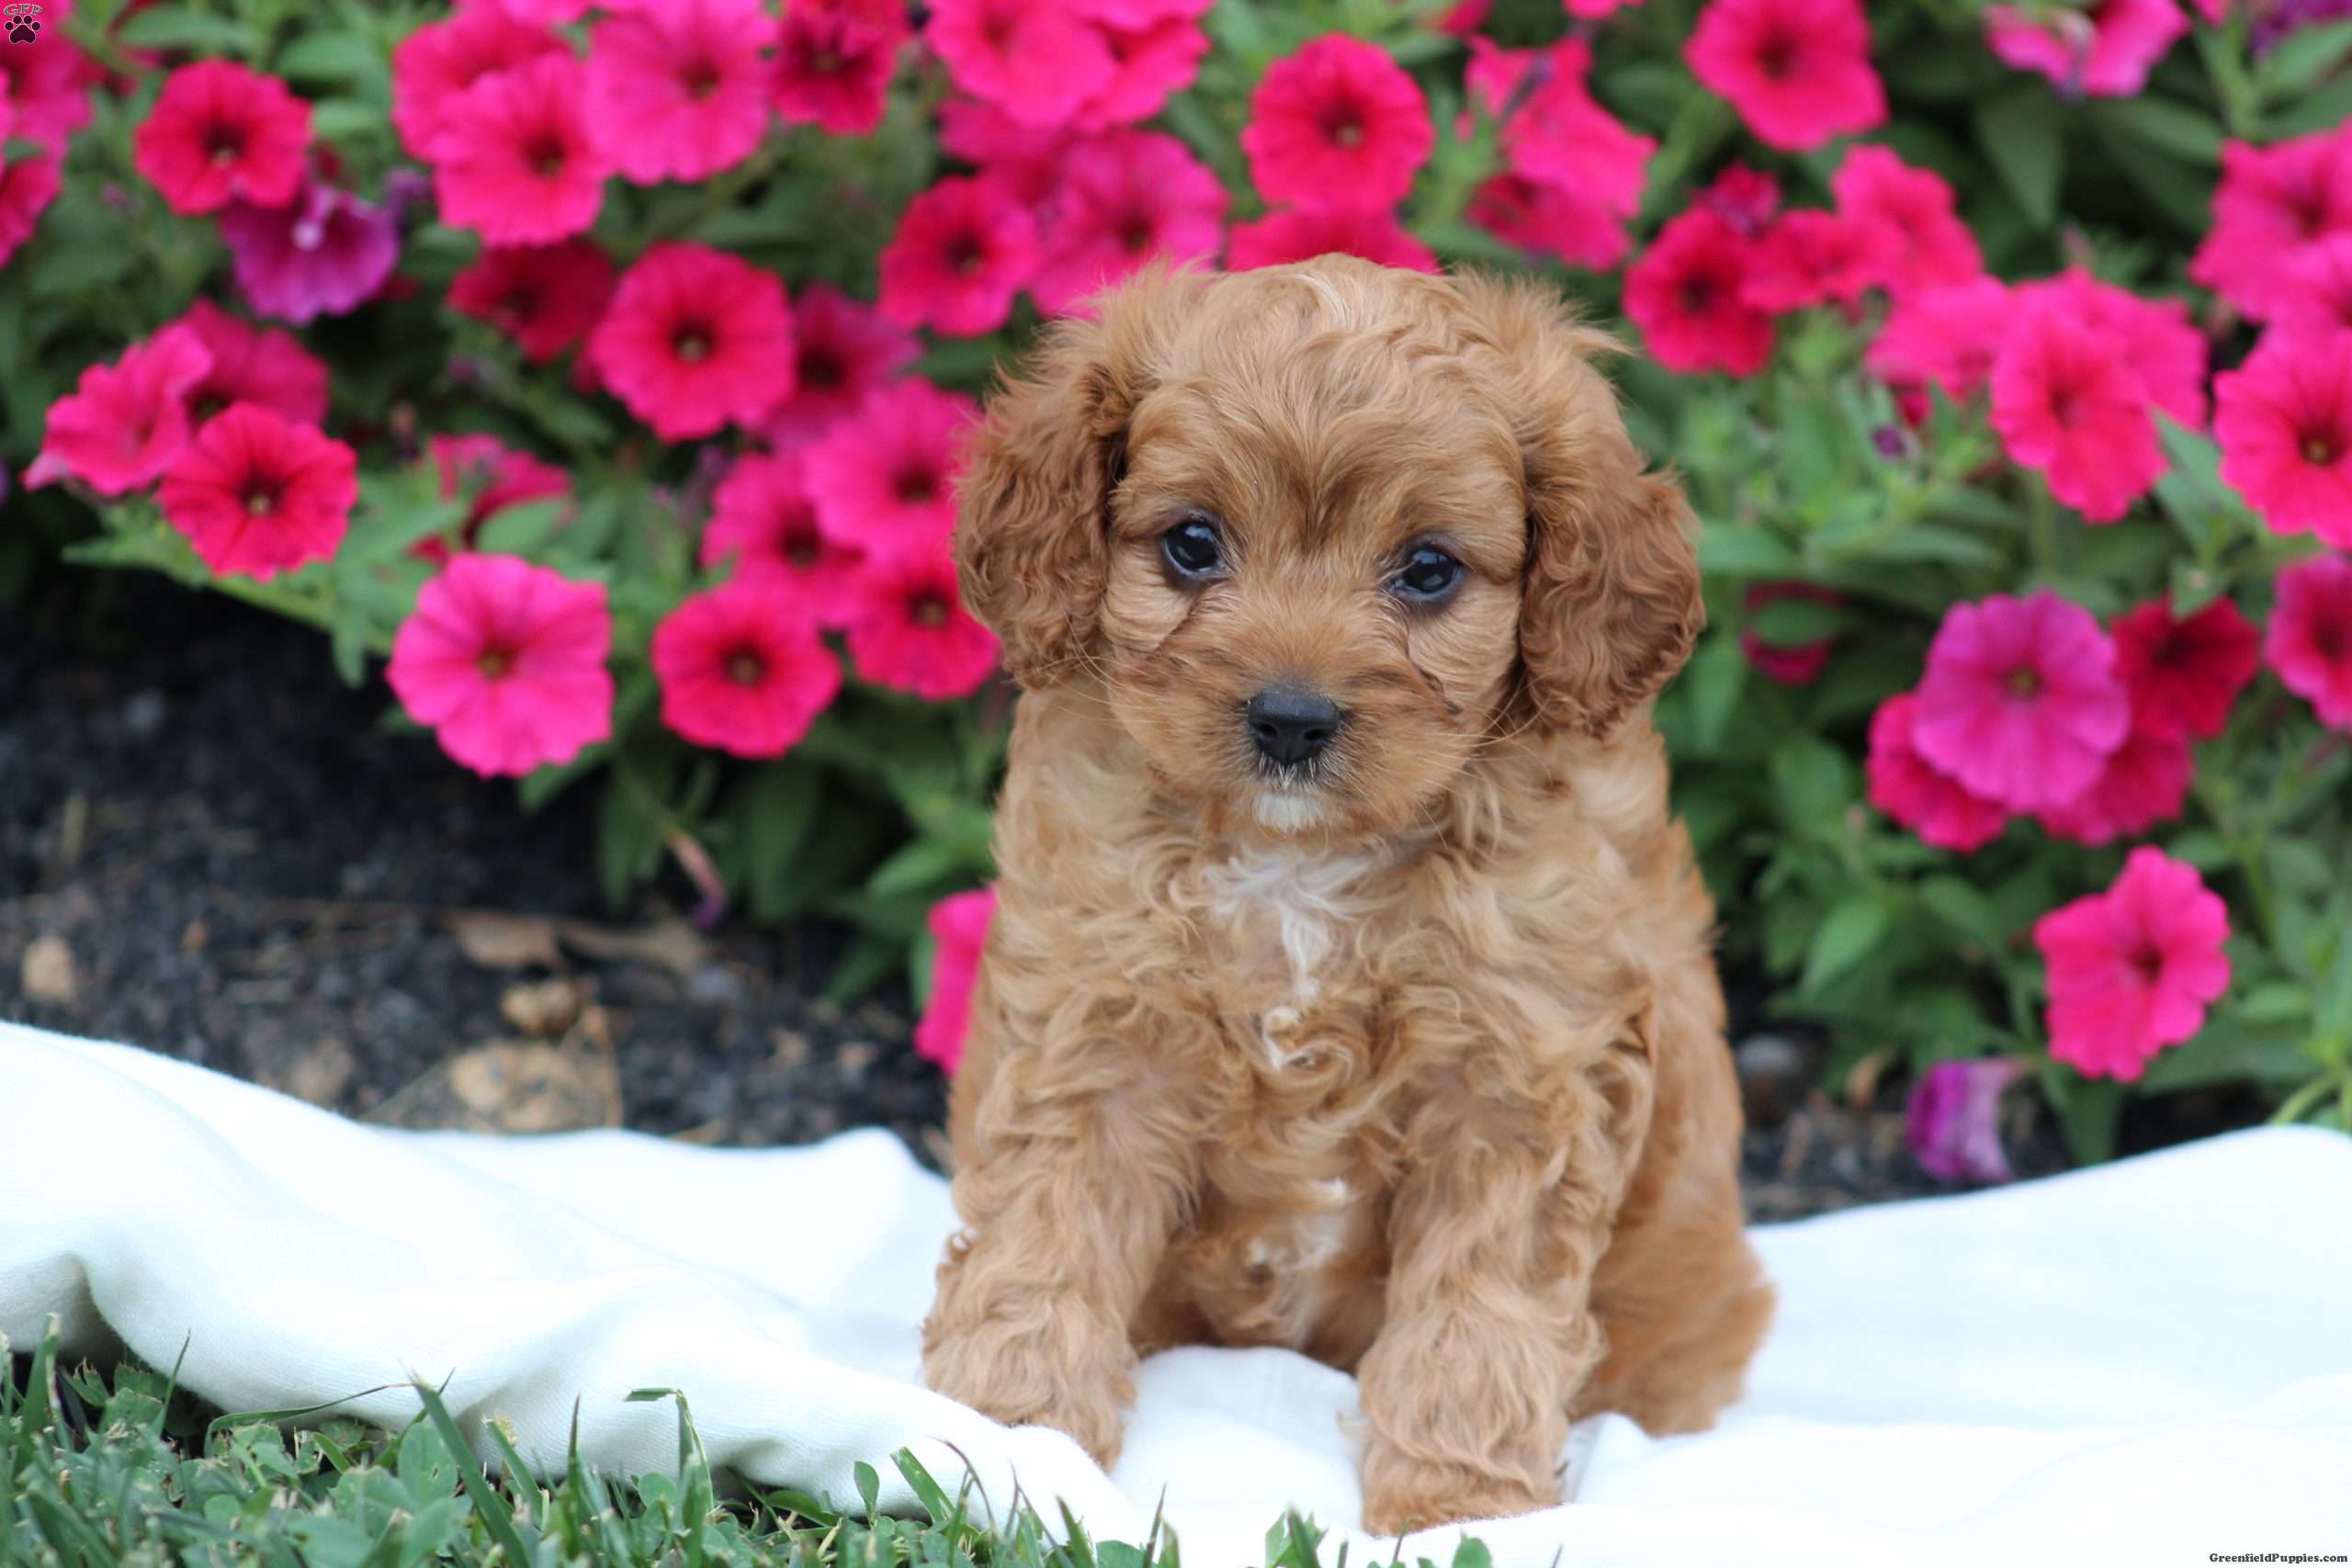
[1793, 623]
[1716, 677]
[521, 530]
[1848, 934]
[776, 806]
[1959, 905]
[1728, 552]
[2303, 58]
[347, 119]
[2182, 191]
[869, 1489]
[1813, 782]
[2022, 134]
[174, 27]
[2174, 130]
[2090, 1110]
[920, 867]
[332, 57]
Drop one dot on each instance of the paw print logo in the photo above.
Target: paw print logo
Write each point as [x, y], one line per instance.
[22, 23]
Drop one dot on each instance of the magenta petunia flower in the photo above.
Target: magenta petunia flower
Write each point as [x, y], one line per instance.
[1150, 64]
[2309, 641]
[1742, 197]
[2183, 675]
[497, 476]
[763, 522]
[959, 931]
[2314, 297]
[1916, 793]
[962, 249]
[2066, 402]
[1789, 664]
[680, 90]
[1944, 335]
[1035, 60]
[440, 61]
[1023, 161]
[696, 339]
[908, 630]
[1337, 126]
[2133, 969]
[45, 90]
[2153, 337]
[1798, 71]
[219, 133]
[516, 160]
[1684, 293]
[1953, 1120]
[1558, 135]
[253, 365]
[834, 62]
[1287, 234]
[884, 478]
[504, 661]
[325, 255]
[546, 298]
[2284, 422]
[742, 668]
[2105, 52]
[123, 424]
[1126, 198]
[1922, 241]
[2274, 205]
[2021, 701]
[1810, 257]
[1561, 222]
[257, 494]
[842, 352]
[27, 187]
[2144, 782]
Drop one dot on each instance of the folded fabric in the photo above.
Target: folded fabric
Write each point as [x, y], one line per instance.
[2144, 1363]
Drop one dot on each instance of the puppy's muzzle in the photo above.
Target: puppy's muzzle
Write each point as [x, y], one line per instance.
[1292, 725]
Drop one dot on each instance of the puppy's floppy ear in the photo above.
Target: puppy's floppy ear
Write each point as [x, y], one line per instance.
[1032, 530]
[1611, 603]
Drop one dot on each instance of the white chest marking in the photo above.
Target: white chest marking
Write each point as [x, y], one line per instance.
[1298, 896]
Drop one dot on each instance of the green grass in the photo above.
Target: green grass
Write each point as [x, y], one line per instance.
[107, 1467]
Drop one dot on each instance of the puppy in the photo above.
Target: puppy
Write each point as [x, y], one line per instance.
[1349, 988]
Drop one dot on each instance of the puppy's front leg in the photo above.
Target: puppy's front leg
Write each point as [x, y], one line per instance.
[1495, 1235]
[1069, 1206]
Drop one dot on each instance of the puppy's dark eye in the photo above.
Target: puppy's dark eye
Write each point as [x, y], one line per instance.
[1428, 575]
[1194, 549]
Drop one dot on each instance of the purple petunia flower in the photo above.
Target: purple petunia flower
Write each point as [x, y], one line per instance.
[326, 253]
[1954, 1118]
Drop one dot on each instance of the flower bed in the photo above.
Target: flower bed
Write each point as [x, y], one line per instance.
[602, 373]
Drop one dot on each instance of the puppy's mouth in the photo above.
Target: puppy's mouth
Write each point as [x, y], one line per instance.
[1289, 797]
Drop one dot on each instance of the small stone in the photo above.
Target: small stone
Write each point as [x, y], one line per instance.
[1774, 1071]
[319, 1076]
[853, 1058]
[714, 986]
[145, 713]
[541, 1010]
[47, 972]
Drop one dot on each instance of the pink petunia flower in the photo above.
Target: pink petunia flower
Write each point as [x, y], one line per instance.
[1922, 241]
[257, 494]
[1288, 235]
[884, 478]
[252, 364]
[27, 187]
[1558, 135]
[763, 522]
[2314, 295]
[124, 423]
[498, 476]
[504, 661]
[2020, 702]
[834, 62]
[1953, 1120]
[907, 629]
[962, 249]
[1944, 335]
[844, 351]
[2309, 641]
[695, 339]
[1142, 13]
[2106, 51]
[1126, 198]
[1035, 60]
[2144, 782]
[1561, 223]
[959, 930]
[517, 160]
[742, 668]
[45, 91]
[2153, 337]
[1025, 160]
[1789, 664]
[2183, 675]
[1798, 71]
[1742, 197]
[1337, 126]
[219, 133]
[2133, 969]
[1150, 64]
[327, 254]
[1916, 793]
[1810, 257]
[2274, 205]
[546, 298]
[1685, 293]
[441, 60]
[2066, 402]
[2284, 422]
[680, 90]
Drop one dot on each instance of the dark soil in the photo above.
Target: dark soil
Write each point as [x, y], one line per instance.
[210, 847]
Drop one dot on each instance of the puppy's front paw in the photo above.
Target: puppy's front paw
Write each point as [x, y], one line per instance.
[1403, 1494]
[1034, 1380]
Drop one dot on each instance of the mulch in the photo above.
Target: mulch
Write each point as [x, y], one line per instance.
[210, 847]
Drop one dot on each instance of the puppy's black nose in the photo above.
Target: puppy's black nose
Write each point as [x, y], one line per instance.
[1291, 724]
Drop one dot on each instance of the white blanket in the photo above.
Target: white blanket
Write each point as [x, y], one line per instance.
[2148, 1363]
